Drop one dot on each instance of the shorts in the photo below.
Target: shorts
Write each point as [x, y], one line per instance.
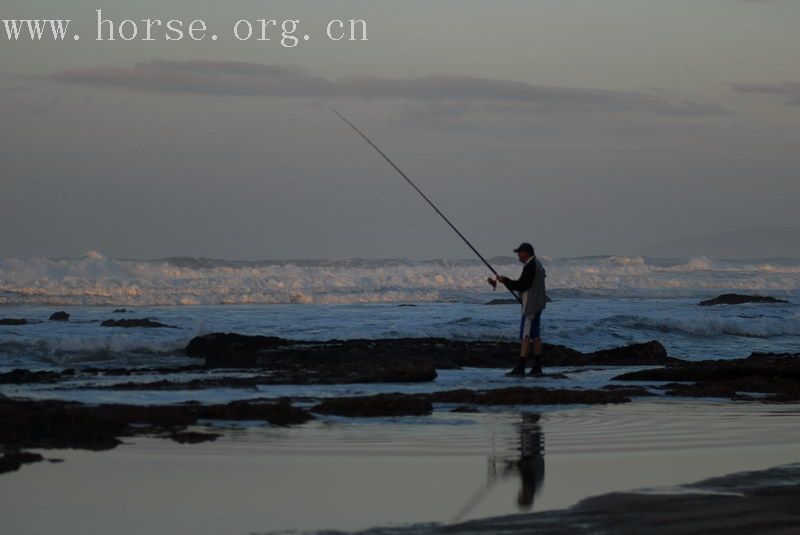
[529, 326]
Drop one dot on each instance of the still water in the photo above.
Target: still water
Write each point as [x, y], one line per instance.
[352, 474]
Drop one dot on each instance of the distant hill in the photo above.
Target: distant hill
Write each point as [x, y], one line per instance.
[756, 242]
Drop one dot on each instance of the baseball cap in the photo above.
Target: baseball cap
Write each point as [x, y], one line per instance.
[525, 246]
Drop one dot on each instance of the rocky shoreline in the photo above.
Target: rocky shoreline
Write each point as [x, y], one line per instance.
[401, 360]
[262, 360]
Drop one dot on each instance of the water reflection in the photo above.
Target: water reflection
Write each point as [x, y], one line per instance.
[527, 463]
[530, 464]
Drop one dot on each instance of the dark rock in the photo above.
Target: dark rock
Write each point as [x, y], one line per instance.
[528, 396]
[20, 376]
[755, 355]
[293, 362]
[719, 370]
[120, 311]
[59, 316]
[780, 390]
[231, 349]
[274, 353]
[276, 413]
[767, 374]
[377, 405]
[357, 356]
[465, 409]
[192, 437]
[738, 299]
[55, 460]
[11, 460]
[128, 323]
[648, 353]
[704, 390]
[59, 424]
[406, 305]
[13, 321]
[630, 391]
[502, 302]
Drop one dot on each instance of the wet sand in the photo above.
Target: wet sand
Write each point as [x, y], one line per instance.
[351, 474]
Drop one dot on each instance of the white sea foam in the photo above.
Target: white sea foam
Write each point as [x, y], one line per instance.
[95, 279]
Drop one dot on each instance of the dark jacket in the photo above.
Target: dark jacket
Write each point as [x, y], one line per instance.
[530, 285]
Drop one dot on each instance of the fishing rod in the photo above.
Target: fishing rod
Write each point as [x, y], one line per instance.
[452, 226]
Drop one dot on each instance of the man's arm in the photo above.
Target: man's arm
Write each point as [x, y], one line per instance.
[525, 280]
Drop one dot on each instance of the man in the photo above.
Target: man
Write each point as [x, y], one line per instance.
[530, 286]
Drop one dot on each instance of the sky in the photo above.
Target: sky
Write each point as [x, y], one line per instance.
[584, 127]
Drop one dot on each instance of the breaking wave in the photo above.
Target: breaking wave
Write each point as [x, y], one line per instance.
[756, 327]
[95, 279]
[83, 349]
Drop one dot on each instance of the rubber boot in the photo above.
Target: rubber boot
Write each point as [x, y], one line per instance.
[537, 366]
[519, 369]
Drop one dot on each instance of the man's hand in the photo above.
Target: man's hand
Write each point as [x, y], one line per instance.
[501, 279]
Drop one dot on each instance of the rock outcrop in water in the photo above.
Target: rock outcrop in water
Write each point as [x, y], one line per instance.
[776, 376]
[60, 424]
[129, 323]
[279, 361]
[59, 316]
[13, 321]
[192, 437]
[227, 350]
[231, 349]
[377, 405]
[738, 299]
[646, 354]
[11, 460]
[20, 376]
[311, 362]
[397, 404]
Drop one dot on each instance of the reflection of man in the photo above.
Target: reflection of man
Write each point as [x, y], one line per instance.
[531, 287]
[530, 465]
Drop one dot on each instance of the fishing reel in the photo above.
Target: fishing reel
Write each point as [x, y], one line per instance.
[492, 283]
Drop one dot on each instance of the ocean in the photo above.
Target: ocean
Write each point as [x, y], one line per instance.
[597, 302]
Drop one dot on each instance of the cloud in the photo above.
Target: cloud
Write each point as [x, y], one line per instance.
[230, 78]
[790, 90]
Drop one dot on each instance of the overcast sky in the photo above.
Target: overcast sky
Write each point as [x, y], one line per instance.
[584, 127]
